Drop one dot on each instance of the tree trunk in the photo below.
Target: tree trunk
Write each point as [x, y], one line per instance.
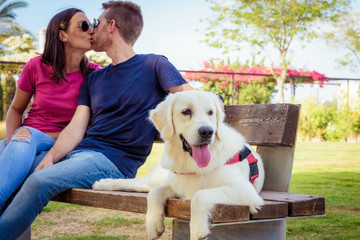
[280, 82]
[281, 92]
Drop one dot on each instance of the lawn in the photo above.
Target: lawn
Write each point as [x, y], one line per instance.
[326, 169]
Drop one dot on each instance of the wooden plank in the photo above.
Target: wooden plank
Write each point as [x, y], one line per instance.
[180, 208]
[277, 204]
[265, 124]
[270, 210]
[123, 201]
[299, 204]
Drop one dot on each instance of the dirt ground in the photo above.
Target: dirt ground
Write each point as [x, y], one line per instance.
[83, 221]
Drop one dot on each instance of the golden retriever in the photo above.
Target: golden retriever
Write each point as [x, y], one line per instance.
[206, 161]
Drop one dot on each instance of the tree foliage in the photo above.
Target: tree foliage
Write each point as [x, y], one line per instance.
[17, 49]
[268, 24]
[99, 58]
[8, 25]
[347, 34]
[329, 121]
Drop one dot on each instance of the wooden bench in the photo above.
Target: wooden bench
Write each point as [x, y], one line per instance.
[272, 128]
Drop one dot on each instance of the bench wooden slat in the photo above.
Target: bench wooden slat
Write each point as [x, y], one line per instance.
[271, 209]
[117, 200]
[180, 208]
[265, 124]
[299, 204]
[277, 205]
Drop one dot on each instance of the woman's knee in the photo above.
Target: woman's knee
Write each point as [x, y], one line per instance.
[22, 134]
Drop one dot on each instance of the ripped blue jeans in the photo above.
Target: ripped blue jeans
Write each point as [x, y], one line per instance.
[79, 169]
[17, 158]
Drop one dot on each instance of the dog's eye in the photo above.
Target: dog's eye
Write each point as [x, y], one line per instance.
[186, 112]
[210, 113]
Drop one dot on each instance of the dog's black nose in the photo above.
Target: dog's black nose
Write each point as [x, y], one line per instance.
[205, 132]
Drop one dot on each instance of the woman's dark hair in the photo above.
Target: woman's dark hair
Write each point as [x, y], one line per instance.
[54, 52]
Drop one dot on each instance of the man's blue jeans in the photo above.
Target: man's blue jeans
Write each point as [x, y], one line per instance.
[17, 159]
[80, 169]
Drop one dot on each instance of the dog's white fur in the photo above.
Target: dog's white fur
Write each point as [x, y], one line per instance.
[217, 183]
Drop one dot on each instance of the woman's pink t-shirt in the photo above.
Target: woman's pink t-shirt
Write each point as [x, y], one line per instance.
[54, 104]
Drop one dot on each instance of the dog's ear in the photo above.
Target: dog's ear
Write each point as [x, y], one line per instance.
[220, 115]
[161, 116]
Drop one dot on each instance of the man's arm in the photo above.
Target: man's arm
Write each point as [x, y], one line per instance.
[68, 139]
[180, 88]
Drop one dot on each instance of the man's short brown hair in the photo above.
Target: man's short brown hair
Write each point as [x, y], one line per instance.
[128, 18]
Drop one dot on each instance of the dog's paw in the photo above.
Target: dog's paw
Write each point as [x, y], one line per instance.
[256, 205]
[103, 184]
[154, 226]
[199, 231]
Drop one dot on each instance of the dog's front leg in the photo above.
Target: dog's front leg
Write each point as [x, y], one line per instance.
[155, 210]
[202, 204]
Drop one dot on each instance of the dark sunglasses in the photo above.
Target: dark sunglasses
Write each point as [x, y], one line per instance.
[85, 25]
[95, 23]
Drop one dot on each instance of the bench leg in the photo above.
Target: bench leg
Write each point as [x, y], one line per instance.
[26, 235]
[239, 231]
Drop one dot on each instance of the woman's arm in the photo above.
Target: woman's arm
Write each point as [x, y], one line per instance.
[15, 112]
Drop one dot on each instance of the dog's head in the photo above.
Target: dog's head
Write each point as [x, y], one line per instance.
[194, 117]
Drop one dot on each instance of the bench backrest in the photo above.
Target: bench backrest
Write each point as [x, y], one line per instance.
[272, 128]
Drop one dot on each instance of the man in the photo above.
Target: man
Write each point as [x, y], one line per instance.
[109, 135]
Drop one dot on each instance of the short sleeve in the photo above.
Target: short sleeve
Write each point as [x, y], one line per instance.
[26, 80]
[167, 74]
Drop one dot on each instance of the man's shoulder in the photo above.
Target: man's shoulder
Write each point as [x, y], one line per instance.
[98, 72]
[151, 56]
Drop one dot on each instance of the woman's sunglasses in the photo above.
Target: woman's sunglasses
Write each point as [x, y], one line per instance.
[84, 25]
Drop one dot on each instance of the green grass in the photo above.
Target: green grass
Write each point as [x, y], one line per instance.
[117, 221]
[88, 237]
[331, 170]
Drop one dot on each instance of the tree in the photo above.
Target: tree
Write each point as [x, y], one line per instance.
[268, 24]
[8, 25]
[99, 58]
[18, 49]
[347, 34]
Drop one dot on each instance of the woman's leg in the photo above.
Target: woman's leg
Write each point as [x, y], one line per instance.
[17, 159]
[79, 170]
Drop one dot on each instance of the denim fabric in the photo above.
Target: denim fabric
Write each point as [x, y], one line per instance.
[17, 158]
[80, 169]
[2, 145]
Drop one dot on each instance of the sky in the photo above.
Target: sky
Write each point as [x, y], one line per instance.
[173, 28]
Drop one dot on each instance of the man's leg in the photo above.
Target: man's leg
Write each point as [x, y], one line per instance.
[79, 170]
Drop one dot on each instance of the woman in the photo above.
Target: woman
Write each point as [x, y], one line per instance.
[54, 80]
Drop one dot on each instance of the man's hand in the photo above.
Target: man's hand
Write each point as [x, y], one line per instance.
[46, 162]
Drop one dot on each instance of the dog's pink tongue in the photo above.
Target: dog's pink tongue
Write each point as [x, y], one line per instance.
[201, 155]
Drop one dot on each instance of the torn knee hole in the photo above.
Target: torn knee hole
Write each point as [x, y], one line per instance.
[23, 134]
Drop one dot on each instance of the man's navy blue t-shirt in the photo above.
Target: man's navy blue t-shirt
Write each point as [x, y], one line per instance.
[120, 98]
